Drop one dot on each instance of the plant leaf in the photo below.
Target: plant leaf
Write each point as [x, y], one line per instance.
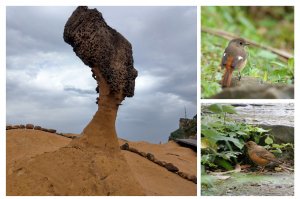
[268, 140]
[216, 108]
[223, 163]
[229, 109]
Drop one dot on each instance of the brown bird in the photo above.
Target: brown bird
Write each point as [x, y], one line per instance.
[259, 155]
[234, 57]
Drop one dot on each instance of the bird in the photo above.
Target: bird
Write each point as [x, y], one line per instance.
[259, 155]
[234, 56]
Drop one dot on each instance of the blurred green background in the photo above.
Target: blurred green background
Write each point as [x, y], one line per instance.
[271, 26]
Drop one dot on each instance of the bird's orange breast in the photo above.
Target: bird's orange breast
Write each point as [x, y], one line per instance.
[258, 160]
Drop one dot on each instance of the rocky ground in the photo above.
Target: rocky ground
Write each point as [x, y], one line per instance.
[253, 88]
[253, 184]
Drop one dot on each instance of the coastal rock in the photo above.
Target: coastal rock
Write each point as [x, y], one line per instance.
[16, 126]
[150, 157]
[37, 128]
[171, 167]
[51, 130]
[143, 154]
[133, 150]
[125, 146]
[29, 126]
[9, 127]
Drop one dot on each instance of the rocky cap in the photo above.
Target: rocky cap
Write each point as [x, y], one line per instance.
[99, 45]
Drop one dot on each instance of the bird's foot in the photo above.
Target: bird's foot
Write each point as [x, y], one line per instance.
[262, 170]
[239, 76]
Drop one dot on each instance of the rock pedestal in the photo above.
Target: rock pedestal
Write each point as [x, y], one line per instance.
[109, 55]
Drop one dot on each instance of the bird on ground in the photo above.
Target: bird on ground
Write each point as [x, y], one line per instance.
[259, 155]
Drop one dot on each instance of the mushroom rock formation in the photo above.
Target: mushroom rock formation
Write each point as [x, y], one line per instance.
[109, 55]
[91, 164]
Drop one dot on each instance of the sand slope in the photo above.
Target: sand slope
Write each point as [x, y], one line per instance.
[183, 158]
[31, 152]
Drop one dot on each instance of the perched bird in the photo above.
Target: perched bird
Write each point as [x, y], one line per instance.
[234, 57]
[259, 155]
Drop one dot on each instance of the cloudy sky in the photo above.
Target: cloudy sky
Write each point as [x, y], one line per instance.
[48, 85]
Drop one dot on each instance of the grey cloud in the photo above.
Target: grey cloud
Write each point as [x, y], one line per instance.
[48, 85]
[80, 91]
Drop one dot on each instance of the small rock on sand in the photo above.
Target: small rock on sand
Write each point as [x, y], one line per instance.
[29, 126]
[171, 167]
[150, 157]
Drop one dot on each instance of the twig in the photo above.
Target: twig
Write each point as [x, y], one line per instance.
[229, 36]
[285, 168]
[236, 170]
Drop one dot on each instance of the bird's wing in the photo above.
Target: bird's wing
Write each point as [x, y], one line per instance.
[237, 61]
[263, 153]
[224, 59]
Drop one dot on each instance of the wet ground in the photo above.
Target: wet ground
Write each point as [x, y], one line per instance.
[253, 184]
[268, 114]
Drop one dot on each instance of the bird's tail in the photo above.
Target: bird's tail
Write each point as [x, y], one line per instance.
[226, 81]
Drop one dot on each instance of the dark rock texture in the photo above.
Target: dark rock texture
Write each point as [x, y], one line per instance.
[150, 157]
[9, 127]
[37, 128]
[99, 45]
[51, 130]
[171, 167]
[125, 146]
[29, 126]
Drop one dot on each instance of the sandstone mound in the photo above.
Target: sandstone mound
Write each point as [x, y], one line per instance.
[183, 158]
[71, 171]
[31, 154]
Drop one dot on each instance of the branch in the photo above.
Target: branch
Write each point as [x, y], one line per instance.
[230, 36]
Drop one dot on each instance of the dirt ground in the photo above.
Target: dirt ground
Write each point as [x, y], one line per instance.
[26, 146]
[253, 184]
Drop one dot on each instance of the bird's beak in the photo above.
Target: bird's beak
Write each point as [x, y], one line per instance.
[247, 44]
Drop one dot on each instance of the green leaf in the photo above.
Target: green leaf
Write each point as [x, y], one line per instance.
[241, 133]
[215, 136]
[205, 158]
[216, 108]
[276, 146]
[236, 142]
[212, 134]
[228, 154]
[276, 151]
[268, 140]
[223, 163]
[229, 109]
[261, 130]
[207, 143]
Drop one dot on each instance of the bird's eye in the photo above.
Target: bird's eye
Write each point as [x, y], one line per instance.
[241, 43]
